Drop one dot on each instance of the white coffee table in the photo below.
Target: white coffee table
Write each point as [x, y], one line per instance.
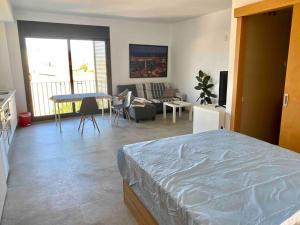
[179, 105]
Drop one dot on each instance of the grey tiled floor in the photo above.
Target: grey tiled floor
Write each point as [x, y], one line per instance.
[69, 179]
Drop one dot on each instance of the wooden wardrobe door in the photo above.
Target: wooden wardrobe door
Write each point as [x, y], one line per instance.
[290, 122]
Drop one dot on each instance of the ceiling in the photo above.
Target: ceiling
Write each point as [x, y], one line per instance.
[148, 10]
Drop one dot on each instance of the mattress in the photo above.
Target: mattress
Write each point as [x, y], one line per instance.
[213, 178]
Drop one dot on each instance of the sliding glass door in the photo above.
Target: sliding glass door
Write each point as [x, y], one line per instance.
[48, 73]
[83, 66]
[88, 67]
[57, 66]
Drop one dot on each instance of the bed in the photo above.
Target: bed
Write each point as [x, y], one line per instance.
[211, 178]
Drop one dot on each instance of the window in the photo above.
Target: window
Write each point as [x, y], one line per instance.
[63, 59]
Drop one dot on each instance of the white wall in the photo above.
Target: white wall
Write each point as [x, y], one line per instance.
[6, 80]
[16, 66]
[6, 11]
[200, 44]
[122, 33]
[6, 63]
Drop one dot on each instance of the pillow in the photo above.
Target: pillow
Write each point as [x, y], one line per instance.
[169, 93]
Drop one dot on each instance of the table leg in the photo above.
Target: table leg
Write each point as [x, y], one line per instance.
[109, 103]
[191, 113]
[55, 113]
[102, 108]
[180, 111]
[165, 111]
[59, 120]
[174, 114]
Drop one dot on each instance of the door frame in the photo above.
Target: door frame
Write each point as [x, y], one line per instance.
[30, 29]
[241, 15]
[263, 6]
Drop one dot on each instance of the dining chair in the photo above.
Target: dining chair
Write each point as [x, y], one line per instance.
[123, 107]
[88, 108]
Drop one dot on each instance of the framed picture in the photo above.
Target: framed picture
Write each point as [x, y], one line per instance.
[148, 61]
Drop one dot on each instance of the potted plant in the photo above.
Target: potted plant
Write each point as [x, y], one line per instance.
[204, 86]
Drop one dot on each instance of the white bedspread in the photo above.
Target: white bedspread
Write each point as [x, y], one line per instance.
[214, 178]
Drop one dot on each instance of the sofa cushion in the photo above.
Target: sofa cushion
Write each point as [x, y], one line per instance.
[155, 90]
[169, 93]
[146, 90]
[141, 90]
[151, 90]
[158, 89]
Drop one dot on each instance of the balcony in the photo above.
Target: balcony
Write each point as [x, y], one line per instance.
[42, 91]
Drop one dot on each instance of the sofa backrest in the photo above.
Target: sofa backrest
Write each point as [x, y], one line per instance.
[155, 90]
[129, 87]
[146, 90]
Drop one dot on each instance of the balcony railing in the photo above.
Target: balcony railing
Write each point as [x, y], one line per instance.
[41, 92]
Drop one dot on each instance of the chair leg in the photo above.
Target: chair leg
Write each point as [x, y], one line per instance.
[80, 123]
[92, 117]
[83, 122]
[127, 113]
[118, 117]
[125, 116]
[95, 123]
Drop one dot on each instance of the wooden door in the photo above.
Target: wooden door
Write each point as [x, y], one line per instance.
[264, 65]
[290, 123]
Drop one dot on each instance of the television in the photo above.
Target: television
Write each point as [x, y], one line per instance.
[223, 88]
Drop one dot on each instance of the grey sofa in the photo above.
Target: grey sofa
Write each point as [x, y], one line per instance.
[150, 91]
[143, 113]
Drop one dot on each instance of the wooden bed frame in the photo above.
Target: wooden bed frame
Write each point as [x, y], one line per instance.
[136, 207]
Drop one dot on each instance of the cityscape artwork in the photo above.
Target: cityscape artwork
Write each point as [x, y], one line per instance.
[148, 61]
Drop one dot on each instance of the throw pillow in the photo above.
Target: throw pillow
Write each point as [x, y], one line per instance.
[169, 93]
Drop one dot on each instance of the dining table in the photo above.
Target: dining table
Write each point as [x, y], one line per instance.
[72, 98]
